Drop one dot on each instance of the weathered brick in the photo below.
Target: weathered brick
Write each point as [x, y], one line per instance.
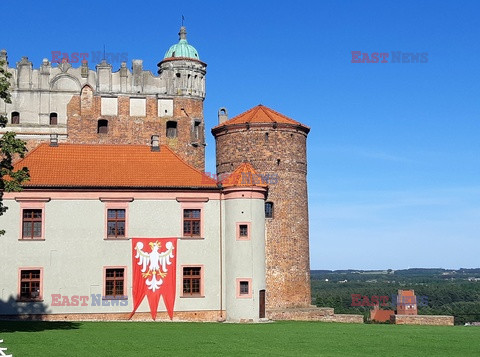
[282, 152]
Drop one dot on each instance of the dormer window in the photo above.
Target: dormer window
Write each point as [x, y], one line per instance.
[53, 119]
[102, 126]
[171, 129]
[15, 118]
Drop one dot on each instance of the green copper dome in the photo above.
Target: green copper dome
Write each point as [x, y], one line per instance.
[182, 48]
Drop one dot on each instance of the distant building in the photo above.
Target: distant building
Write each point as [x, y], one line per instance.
[378, 315]
[406, 302]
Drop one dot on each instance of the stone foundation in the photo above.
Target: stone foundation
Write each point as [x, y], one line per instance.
[194, 316]
[422, 320]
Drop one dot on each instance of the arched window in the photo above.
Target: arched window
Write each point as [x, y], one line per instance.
[171, 129]
[268, 209]
[102, 126]
[53, 119]
[15, 118]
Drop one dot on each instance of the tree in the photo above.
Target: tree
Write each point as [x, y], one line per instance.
[10, 148]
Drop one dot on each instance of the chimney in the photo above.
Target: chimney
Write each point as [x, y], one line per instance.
[154, 143]
[53, 139]
[222, 115]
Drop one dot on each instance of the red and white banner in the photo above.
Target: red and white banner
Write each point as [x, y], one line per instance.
[154, 269]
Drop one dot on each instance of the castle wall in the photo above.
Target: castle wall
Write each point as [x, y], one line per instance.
[136, 103]
[74, 251]
[422, 320]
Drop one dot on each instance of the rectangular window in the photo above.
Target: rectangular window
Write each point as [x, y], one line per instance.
[32, 224]
[171, 129]
[15, 118]
[53, 119]
[192, 281]
[30, 284]
[243, 230]
[268, 209]
[116, 223]
[244, 288]
[191, 222]
[114, 282]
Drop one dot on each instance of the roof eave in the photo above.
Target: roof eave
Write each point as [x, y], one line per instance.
[219, 128]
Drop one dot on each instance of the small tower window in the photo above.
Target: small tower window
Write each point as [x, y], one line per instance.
[53, 119]
[268, 209]
[196, 130]
[15, 118]
[243, 230]
[171, 129]
[102, 126]
[244, 288]
[266, 137]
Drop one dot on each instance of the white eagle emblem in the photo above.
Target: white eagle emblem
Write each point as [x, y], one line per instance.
[157, 263]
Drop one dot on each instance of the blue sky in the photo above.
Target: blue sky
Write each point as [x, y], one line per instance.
[393, 152]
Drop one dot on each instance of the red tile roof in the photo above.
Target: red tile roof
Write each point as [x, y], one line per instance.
[244, 175]
[381, 315]
[71, 165]
[260, 114]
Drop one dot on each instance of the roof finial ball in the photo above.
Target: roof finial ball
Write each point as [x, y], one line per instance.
[183, 33]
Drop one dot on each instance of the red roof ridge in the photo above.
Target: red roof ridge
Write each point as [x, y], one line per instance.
[250, 115]
[28, 154]
[186, 163]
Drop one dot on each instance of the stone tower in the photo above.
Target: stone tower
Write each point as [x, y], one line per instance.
[102, 106]
[275, 146]
[184, 76]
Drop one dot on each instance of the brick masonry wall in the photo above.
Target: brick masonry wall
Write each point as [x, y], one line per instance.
[84, 111]
[423, 320]
[287, 245]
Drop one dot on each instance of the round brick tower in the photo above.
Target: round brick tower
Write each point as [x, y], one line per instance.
[275, 146]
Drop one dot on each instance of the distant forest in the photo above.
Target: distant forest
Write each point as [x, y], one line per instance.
[444, 292]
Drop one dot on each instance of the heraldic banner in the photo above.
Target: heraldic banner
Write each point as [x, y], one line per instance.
[154, 269]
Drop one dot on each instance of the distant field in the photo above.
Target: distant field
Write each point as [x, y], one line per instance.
[104, 339]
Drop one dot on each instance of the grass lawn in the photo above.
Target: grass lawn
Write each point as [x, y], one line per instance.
[103, 339]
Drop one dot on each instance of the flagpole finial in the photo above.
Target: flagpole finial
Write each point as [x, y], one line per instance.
[183, 33]
[183, 20]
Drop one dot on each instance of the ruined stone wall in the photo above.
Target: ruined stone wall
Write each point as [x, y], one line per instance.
[281, 153]
[422, 320]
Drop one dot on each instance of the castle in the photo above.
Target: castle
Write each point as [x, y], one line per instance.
[119, 155]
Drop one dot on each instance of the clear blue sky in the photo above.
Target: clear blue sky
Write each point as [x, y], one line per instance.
[393, 153]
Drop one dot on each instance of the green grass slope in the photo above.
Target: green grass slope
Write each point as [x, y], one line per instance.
[215, 339]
